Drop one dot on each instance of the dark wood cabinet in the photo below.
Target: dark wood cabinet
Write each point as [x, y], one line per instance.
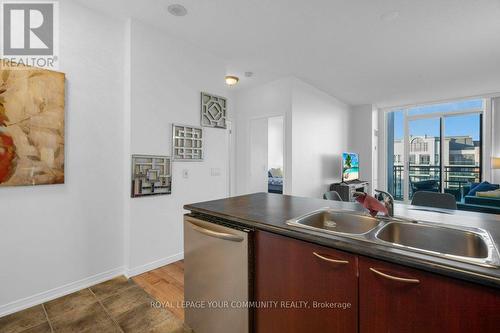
[383, 297]
[394, 298]
[290, 271]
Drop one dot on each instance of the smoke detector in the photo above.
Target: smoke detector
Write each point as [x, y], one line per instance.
[177, 10]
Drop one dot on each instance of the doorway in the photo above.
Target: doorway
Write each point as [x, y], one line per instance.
[275, 152]
[267, 142]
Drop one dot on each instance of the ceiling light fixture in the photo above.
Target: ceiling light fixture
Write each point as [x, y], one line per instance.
[390, 16]
[177, 10]
[231, 80]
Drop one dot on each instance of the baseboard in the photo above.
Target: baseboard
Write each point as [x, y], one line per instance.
[59, 292]
[84, 283]
[153, 265]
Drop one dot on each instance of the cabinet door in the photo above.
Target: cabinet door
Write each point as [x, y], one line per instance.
[289, 270]
[394, 298]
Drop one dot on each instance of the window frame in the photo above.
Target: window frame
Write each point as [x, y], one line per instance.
[486, 126]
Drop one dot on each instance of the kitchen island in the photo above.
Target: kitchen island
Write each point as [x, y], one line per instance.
[388, 288]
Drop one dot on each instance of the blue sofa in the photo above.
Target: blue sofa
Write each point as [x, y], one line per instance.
[479, 204]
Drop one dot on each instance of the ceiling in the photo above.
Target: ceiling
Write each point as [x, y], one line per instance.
[355, 50]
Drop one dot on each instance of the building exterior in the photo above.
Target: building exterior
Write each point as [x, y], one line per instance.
[461, 161]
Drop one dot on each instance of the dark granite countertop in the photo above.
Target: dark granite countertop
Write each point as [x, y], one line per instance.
[269, 212]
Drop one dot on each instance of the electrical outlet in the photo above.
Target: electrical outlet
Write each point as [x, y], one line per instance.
[185, 173]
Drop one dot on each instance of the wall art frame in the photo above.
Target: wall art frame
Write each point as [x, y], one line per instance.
[32, 125]
[151, 175]
[187, 143]
[213, 111]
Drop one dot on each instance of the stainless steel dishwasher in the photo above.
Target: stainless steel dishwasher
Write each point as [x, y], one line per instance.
[216, 277]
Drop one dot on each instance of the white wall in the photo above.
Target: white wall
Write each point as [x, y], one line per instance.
[362, 140]
[268, 100]
[319, 136]
[55, 238]
[167, 76]
[275, 135]
[315, 134]
[258, 155]
[126, 84]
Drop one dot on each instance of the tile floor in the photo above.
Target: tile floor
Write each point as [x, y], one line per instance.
[117, 305]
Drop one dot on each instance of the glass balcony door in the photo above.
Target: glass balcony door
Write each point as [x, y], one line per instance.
[436, 148]
[423, 155]
[462, 152]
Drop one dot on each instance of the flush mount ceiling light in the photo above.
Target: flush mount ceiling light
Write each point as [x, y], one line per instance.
[390, 16]
[231, 80]
[177, 10]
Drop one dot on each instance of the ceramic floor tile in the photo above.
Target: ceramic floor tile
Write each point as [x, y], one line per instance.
[68, 303]
[42, 328]
[118, 304]
[89, 319]
[20, 321]
[111, 287]
[143, 318]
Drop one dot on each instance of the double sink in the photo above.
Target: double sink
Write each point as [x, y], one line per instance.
[470, 245]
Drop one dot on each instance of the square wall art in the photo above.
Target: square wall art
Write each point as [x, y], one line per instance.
[151, 175]
[187, 143]
[213, 111]
[31, 125]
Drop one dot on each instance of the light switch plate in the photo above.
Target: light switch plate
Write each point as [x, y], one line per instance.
[185, 173]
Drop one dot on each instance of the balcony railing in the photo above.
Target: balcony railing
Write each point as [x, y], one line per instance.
[427, 178]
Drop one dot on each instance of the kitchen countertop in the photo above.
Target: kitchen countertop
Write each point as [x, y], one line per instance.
[269, 212]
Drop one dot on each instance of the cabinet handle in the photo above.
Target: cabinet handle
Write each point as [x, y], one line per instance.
[394, 278]
[220, 235]
[335, 261]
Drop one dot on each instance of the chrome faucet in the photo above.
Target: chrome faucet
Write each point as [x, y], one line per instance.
[388, 201]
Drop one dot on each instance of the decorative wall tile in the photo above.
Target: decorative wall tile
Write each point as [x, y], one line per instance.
[213, 111]
[187, 143]
[151, 175]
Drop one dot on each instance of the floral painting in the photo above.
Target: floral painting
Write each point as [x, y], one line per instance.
[31, 126]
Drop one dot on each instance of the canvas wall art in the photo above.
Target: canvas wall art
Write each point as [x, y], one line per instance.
[151, 175]
[31, 126]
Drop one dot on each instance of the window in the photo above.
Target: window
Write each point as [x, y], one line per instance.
[444, 147]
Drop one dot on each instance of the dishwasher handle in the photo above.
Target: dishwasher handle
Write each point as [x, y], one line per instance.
[216, 234]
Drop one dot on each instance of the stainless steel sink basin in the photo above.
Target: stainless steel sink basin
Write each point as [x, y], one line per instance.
[336, 222]
[442, 240]
[465, 244]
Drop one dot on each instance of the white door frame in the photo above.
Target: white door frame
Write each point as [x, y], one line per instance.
[286, 168]
[230, 143]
